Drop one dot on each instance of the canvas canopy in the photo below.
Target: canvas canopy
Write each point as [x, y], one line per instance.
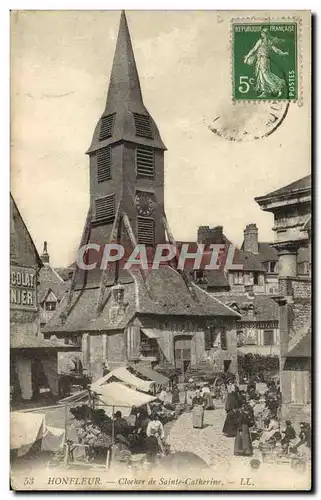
[112, 397]
[124, 375]
[116, 396]
[27, 428]
[151, 374]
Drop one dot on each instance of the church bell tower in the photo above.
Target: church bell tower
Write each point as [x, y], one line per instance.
[126, 157]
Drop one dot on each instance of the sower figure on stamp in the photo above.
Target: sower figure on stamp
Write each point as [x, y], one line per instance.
[266, 82]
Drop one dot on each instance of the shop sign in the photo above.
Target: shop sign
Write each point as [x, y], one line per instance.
[23, 288]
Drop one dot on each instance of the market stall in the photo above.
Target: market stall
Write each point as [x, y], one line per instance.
[150, 374]
[29, 429]
[123, 375]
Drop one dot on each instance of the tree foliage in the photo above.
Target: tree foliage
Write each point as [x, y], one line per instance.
[256, 364]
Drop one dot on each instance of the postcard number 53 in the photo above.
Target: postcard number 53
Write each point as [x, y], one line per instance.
[28, 480]
[245, 83]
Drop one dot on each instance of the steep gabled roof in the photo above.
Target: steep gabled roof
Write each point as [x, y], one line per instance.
[165, 293]
[249, 260]
[265, 308]
[299, 186]
[267, 252]
[49, 279]
[19, 341]
[20, 240]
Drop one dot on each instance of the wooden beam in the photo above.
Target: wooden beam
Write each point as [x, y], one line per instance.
[185, 277]
[104, 274]
[133, 241]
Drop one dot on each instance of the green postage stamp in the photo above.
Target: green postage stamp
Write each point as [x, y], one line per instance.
[265, 61]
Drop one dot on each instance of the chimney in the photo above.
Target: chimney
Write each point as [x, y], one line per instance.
[45, 255]
[251, 238]
[210, 236]
[202, 233]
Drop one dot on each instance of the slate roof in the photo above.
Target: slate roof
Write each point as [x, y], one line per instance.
[217, 279]
[49, 279]
[24, 341]
[26, 238]
[65, 272]
[165, 293]
[303, 184]
[250, 261]
[265, 308]
[267, 252]
[300, 344]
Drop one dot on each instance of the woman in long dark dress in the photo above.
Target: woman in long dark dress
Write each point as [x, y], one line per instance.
[230, 424]
[232, 400]
[243, 442]
[175, 392]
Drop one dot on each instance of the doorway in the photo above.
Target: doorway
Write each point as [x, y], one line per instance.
[182, 349]
[227, 363]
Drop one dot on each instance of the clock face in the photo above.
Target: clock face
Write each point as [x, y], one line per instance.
[145, 204]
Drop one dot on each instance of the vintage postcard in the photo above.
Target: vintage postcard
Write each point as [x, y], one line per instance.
[160, 250]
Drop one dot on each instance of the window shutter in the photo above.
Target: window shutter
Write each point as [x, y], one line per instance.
[133, 343]
[143, 126]
[104, 164]
[223, 340]
[146, 231]
[208, 339]
[145, 161]
[106, 127]
[105, 208]
[268, 337]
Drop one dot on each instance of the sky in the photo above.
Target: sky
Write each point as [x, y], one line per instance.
[60, 67]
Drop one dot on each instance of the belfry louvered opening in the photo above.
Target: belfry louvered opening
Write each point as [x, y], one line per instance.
[145, 161]
[146, 231]
[143, 126]
[104, 157]
[105, 208]
[106, 127]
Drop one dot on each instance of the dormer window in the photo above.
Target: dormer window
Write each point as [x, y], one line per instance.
[50, 306]
[106, 127]
[272, 266]
[143, 126]
[234, 306]
[250, 312]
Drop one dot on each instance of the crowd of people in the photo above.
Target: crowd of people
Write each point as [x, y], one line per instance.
[252, 416]
[146, 423]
